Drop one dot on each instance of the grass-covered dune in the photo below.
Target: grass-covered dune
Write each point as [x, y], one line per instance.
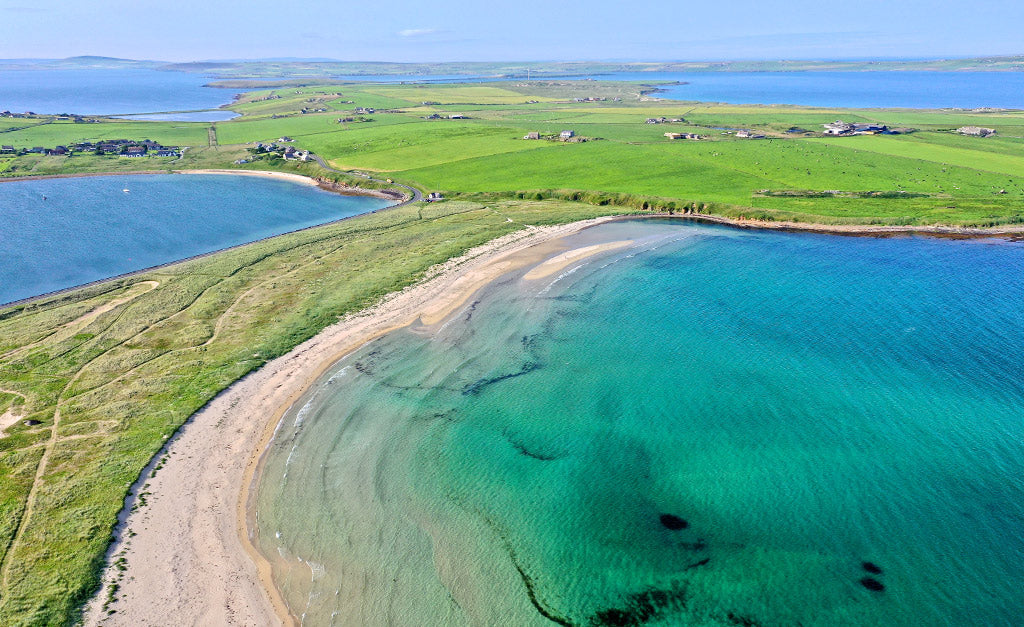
[110, 372]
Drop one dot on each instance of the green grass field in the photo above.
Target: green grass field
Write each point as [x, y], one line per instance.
[959, 180]
[108, 390]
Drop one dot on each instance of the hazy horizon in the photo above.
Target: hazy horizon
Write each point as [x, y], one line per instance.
[525, 30]
[636, 60]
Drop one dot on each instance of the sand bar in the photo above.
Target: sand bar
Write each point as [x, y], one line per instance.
[558, 262]
[188, 553]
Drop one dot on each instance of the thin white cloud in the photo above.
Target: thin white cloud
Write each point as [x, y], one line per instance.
[419, 32]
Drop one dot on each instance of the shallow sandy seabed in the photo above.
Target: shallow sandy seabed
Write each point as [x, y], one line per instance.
[187, 553]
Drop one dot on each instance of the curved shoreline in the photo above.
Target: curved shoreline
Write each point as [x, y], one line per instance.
[295, 178]
[866, 230]
[199, 519]
[190, 551]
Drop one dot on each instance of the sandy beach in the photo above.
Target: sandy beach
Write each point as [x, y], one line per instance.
[183, 547]
[322, 183]
[283, 176]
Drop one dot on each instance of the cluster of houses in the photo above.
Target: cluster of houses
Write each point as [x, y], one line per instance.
[749, 134]
[289, 153]
[565, 136]
[683, 136]
[59, 118]
[663, 120]
[593, 99]
[365, 110]
[841, 128]
[123, 147]
[450, 116]
[8, 114]
[976, 131]
[347, 119]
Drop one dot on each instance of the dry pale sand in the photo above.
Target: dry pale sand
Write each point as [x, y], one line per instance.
[186, 556]
[8, 419]
[13, 414]
[297, 178]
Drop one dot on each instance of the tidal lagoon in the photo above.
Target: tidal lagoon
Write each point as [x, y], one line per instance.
[708, 426]
[59, 233]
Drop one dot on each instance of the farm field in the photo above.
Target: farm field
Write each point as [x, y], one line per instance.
[930, 175]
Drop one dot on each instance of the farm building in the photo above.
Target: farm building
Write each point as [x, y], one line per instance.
[976, 131]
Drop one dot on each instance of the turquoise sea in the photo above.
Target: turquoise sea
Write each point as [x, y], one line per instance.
[713, 426]
[59, 233]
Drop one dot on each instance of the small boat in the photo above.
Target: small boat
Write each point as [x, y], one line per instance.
[125, 190]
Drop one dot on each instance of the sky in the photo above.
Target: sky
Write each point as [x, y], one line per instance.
[504, 30]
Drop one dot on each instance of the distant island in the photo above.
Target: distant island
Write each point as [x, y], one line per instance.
[282, 69]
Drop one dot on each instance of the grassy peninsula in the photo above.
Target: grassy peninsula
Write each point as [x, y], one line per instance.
[100, 377]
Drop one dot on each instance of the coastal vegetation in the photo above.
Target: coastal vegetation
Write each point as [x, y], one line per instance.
[108, 373]
[100, 377]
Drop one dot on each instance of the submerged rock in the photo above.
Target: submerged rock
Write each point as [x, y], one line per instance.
[673, 522]
[871, 567]
[872, 584]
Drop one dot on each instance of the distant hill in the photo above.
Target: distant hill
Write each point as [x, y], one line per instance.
[78, 63]
[317, 69]
[288, 68]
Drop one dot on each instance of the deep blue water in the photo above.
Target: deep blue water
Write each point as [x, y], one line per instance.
[710, 427]
[88, 229]
[108, 92]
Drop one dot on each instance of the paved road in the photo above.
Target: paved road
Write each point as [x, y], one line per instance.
[415, 194]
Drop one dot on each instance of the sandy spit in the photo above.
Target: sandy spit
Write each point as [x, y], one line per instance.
[187, 554]
[558, 262]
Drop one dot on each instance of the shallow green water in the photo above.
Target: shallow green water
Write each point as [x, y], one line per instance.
[712, 427]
